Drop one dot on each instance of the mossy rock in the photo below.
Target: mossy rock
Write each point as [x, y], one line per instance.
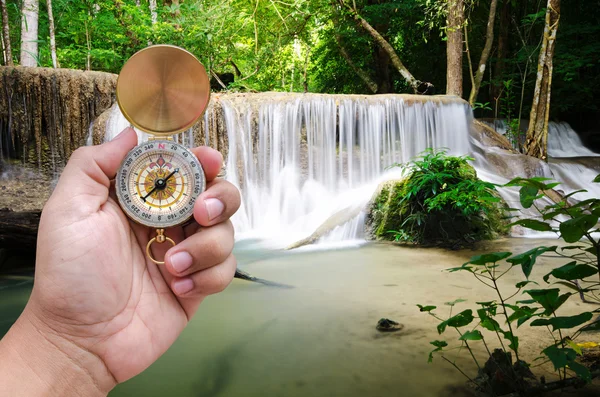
[449, 214]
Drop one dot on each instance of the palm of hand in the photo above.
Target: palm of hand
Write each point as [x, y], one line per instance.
[115, 301]
[95, 289]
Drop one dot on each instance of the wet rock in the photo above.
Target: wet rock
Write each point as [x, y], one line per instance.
[45, 113]
[488, 137]
[387, 325]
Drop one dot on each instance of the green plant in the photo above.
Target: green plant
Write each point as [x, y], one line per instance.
[500, 317]
[441, 202]
[483, 106]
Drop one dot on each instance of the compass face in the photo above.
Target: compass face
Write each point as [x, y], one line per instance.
[158, 183]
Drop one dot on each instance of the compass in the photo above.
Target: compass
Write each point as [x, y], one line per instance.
[161, 90]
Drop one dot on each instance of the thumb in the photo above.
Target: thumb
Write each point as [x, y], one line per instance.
[86, 177]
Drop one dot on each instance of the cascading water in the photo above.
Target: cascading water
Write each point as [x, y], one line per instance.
[299, 159]
[317, 155]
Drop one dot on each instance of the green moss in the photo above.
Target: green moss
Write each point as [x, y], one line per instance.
[441, 202]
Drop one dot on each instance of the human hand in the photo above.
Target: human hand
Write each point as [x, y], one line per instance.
[97, 298]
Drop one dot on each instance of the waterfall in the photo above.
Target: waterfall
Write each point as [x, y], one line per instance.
[563, 140]
[303, 160]
[300, 159]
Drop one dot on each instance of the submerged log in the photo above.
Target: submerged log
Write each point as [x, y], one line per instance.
[18, 230]
[335, 220]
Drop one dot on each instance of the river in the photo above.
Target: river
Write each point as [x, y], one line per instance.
[318, 338]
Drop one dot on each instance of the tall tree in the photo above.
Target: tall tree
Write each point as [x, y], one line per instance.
[6, 35]
[454, 47]
[537, 134]
[153, 14]
[363, 75]
[55, 63]
[29, 33]
[485, 54]
[502, 51]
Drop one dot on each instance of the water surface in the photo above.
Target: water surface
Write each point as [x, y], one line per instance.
[317, 338]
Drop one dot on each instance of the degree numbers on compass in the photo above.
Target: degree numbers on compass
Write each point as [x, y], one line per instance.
[159, 182]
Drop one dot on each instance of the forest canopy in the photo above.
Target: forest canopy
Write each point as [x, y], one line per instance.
[325, 46]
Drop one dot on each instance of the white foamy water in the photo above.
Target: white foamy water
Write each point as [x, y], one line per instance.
[563, 140]
[313, 156]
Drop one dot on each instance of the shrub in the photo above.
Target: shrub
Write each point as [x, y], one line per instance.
[441, 201]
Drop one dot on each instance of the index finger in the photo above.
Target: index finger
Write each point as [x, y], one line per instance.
[211, 161]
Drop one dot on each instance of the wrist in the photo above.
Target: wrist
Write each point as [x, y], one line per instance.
[35, 361]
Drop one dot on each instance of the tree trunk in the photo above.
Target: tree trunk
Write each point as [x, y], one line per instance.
[485, 54]
[382, 70]
[364, 76]
[153, 14]
[496, 87]
[454, 47]
[29, 33]
[55, 63]
[537, 133]
[6, 34]
[394, 58]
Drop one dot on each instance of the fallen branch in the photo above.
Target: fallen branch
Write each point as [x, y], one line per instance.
[335, 220]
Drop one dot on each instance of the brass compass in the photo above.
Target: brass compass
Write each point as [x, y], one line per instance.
[161, 90]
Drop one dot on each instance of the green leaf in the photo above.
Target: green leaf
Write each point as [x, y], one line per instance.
[592, 250]
[563, 322]
[595, 326]
[574, 346]
[572, 271]
[439, 345]
[524, 283]
[514, 340]
[549, 298]
[471, 335]
[486, 321]
[560, 357]
[461, 319]
[463, 267]
[426, 308]
[581, 371]
[527, 259]
[454, 302]
[597, 179]
[489, 258]
[574, 229]
[527, 195]
[442, 327]
[534, 225]
[522, 314]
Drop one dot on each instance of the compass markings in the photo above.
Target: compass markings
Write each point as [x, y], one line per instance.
[144, 178]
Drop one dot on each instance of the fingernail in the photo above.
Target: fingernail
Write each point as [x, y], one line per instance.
[183, 286]
[214, 207]
[181, 261]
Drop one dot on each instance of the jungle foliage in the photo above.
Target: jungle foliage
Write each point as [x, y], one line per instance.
[440, 202]
[536, 300]
[299, 45]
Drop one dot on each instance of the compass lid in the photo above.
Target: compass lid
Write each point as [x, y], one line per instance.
[163, 90]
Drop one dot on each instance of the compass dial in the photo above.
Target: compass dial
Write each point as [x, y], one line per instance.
[158, 183]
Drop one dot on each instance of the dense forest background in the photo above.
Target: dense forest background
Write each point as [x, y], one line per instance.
[322, 46]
